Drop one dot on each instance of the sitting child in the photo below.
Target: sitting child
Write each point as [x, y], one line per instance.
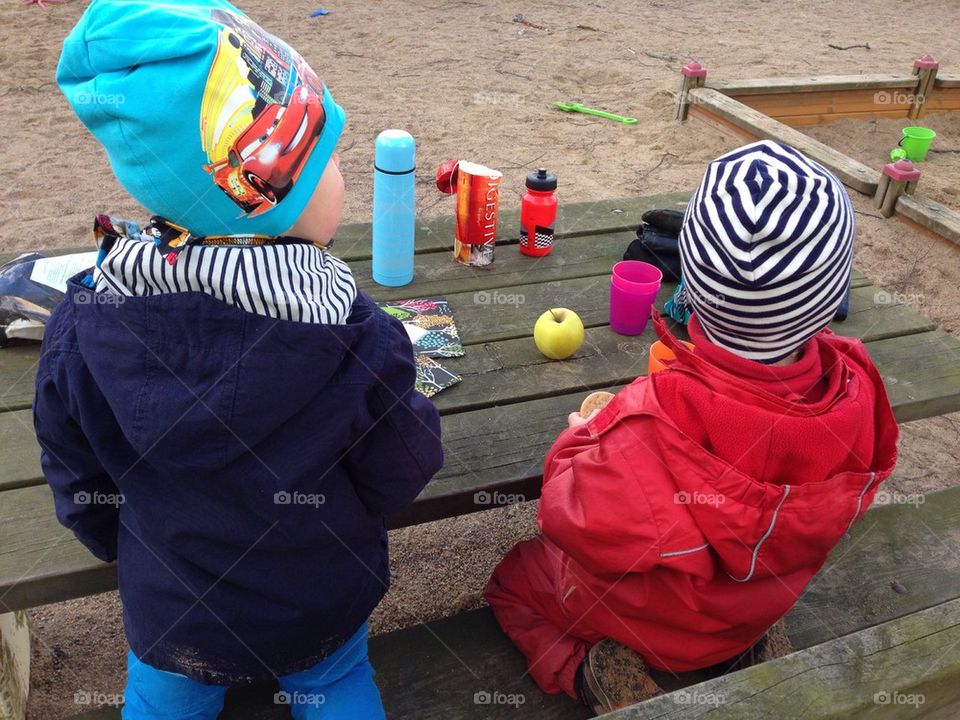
[219, 409]
[684, 519]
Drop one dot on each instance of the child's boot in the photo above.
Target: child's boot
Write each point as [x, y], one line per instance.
[613, 676]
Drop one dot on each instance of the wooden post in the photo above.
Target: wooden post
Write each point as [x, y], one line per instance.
[14, 665]
[897, 178]
[694, 76]
[925, 68]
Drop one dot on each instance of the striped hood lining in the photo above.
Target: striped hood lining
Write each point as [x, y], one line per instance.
[766, 250]
[297, 282]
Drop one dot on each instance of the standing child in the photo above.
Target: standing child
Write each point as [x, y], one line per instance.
[686, 517]
[220, 411]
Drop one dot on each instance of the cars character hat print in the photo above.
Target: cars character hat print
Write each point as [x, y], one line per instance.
[207, 119]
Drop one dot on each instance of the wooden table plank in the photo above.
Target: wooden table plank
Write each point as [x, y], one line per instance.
[492, 457]
[908, 539]
[582, 256]
[438, 274]
[874, 316]
[20, 454]
[435, 234]
[510, 312]
[906, 669]
[18, 369]
[40, 561]
[921, 373]
[514, 370]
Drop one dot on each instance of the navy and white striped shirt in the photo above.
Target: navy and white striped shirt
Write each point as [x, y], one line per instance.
[298, 282]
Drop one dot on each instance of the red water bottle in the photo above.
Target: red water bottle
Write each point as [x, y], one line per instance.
[538, 212]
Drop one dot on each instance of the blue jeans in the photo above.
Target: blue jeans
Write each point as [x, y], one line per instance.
[341, 687]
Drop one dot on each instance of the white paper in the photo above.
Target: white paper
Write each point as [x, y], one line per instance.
[414, 332]
[55, 271]
[23, 329]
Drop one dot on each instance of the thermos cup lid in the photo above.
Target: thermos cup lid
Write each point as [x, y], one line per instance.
[541, 180]
[394, 152]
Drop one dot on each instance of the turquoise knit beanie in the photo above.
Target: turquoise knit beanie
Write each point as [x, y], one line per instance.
[207, 119]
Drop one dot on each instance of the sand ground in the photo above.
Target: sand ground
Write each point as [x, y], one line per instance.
[475, 80]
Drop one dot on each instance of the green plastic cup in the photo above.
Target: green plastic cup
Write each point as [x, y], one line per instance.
[916, 141]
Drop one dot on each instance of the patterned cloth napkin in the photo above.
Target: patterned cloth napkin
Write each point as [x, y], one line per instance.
[429, 323]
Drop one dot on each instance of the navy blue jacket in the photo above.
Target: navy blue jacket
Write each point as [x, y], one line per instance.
[237, 467]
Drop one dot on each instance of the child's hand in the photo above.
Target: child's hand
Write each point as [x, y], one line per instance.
[575, 419]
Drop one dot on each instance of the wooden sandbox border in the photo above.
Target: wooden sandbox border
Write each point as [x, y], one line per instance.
[772, 108]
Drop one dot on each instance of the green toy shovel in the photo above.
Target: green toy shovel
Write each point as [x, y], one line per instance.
[580, 108]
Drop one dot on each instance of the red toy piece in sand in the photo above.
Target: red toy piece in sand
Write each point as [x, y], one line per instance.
[926, 62]
[901, 171]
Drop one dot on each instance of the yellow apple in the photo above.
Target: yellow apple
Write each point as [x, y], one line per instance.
[558, 333]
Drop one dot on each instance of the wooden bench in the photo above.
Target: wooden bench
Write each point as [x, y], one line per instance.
[428, 670]
[888, 594]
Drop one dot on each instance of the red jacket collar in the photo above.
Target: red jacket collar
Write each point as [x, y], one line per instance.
[801, 381]
[808, 386]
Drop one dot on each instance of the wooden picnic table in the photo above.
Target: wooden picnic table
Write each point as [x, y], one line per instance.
[498, 423]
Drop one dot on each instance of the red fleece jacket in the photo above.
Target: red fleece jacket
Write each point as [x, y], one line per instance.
[695, 508]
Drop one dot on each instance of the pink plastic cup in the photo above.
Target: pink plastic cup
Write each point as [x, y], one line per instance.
[633, 290]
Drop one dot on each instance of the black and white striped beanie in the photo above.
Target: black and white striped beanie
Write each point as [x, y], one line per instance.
[766, 250]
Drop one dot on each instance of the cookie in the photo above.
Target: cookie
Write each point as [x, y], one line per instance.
[595, 401]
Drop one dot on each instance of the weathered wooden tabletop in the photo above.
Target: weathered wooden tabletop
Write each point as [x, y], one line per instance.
[498, 423]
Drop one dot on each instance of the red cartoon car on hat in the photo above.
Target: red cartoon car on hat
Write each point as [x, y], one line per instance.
[266, 158]
[261, 115]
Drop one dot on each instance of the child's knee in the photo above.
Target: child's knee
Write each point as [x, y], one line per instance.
[531, 567]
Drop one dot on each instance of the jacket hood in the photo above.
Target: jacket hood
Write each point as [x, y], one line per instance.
[194, 382]
[822, 456]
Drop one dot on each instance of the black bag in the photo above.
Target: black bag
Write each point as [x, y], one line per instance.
[658, 242]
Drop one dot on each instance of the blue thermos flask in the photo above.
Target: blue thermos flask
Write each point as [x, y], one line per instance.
[393, 208]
